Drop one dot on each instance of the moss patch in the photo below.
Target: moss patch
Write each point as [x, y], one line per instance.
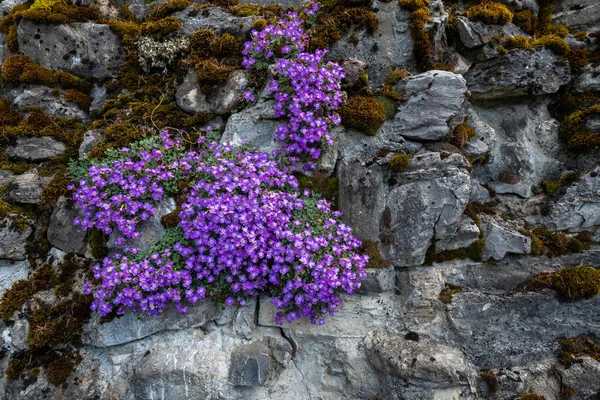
[530, 396]
[566, 180]
[322, 184]
[364, 113]
[371, 249]
[165, 9]
[491, 380]
[573, 283]
[574, 132]
[399, 162]
[571, 349]
[59, 12]
[448, 291]
[462, 134]
[422, 41]
[490, 12]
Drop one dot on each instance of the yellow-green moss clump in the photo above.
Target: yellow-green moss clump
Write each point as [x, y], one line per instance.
[517, 42]
[162, 26]
[371, 249]
[573, 283]
[59, 12]
[462, 134]
[554, 43]
[525, 20]
[566, 180]
[128, 31]
[81, 99]
[474, 252]
[421, 41]
[574, 132]
[491, 380]
[322, 184]
[572, 348]
[165, 9]
[270, 12]
[448, 291]
[530, 396]
[490, 12]
[364, 113]
[547, 242]
[399, 162]
[8, 26]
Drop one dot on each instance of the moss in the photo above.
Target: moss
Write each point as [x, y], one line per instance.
[448, 291]
[399, 162]
[491, 380]
[501, 50]
[268, 11]
[56, 187]
[161, 27]
[210, 73]
[525, 20]
[578, 58]
[98, 241]
[17, 365]
[421, 40]
[82, 100]
[581, 36]
[322, 184]
[371, 249]
[552, 244]
[259, 24]
[462, 134]
[558, 30]
[8, 115]
[572, 348]
[413, 5]
[474, 252]
[388, 101]
[574, 132]
[364, 113]
[128, 31]
[44, 278]
[530, 396]
[554, 43]
[517, 42]
[396, 76]
[490, 13]
[60, 12]
[225, 45]
[580, 282]
[12, 40]
[566, 180]
[165, 9]
[566, 392]
[172, 219]
[59, 369]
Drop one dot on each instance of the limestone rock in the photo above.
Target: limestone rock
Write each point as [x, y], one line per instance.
[354, 70]
[14, 232]
[220, 101]
[588, 80]
[18, 334]
[36, 148]
[500, 241]
[582, 15]
[466, 233]
[62, 233]
[255, 126]
[91, 139]
[475, 33]
[436, 101]
[215, 19]
[41, 96]
[12, 271]
[86, 49]
[251, 365]
[27, 188]
[378, 280]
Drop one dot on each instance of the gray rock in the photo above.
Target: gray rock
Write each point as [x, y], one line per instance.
[354, 70]
[593, 123]
[475, 149]
[479, 194]
[588, 80]
[436, 29]
[91, 139]
[14, 232]
[251, 365]
[390, 46]
[133, 326]
[18, 334]
[87, 49]
[151, 230]
[255, 126]
[329, 155]
[466, 233]
[460, 64]
[27, 188]
[419, 361]
[520, 72]
[520, 189]
[378, 280]
[231, 95]
[99, 96]
[189, 97]
[7, 5]
[522, 5]
[12, 271]
[500, 241]
[215, 19]
[36, 148]
[582, 15]
[582, 375]
[62, 233]
[41, 96]
[474, 33]
[436, 101]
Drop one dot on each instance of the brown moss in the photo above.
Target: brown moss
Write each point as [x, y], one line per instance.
[573, 348]
[56, 187]
[573, 283]
[448, 291]
[396, 76]
[60, 12]
[421, 40]
[59, 369]
[566, 392]
[259, 24]
[517, 42]
[574, 132]
[413, 5]
[172, 219]
[462, 134]
[501, 50]
[364, 113]
[371, 249]
[578, 58]
[530, 396]
[490, 12]
[128, 31]
[565, 180]
[161, 27]
[552, 244]
[509, 177]
[8, 115]
[491, 380]
[268, 11]
[82, 100]
[399, 162]
[554, 43]
[322, 184]
[211, 72]
[43, 278]
[581, 36]
[165, 9]
[98, 241]
[525, 20]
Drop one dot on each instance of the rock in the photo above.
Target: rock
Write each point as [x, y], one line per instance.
[255, 126]
[251, 365]
[500, 241]
[220, 101]
[62, 233]
[91, 139]
[215, 19]
[520, 72]
[475, 149]
[436, 29]
[436, 101]
[18, 334]
[329, 155]
[419, 361]
[27, 188]
[466, 233]
[582, 15]
[99, 96]
[474, 33]
[588, 80]
[231, 95]
[91, 50]
[151, 230]
[12, 271]
[582, 375]
[520, 189]
[134, 326]
[354, 69]
[36, 148]
[41, 96]
[390, 46]
[14, 232]
[189, 97]
[593, 123]
[7, 5]
[460, 64]
[378, 280]
[479, 194]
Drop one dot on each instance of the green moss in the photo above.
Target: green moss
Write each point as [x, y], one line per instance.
[413, 5]
[270, 12]
[388, 101]
[165, 9]
[396, 76]
[517, 42]
[501, 50]
[364, 113]
[474, 252]
[566, 180]
[8, 25]
[322, 184]
[554, 43]
[371, 249]
[421, 40]
[448, 291]
[56, 187]
[17, 365]
[82, 100]
[573, 283]
[578, 58]
[581, 36]
[399, 162]
[59, 12]
[552, 244]
[259, 24]
[98, 241]
[128, 31]
[571, 349]
[530, 396]
[59, 369]
[44, 278]
[573, 130]
[558, 30]
[490, 13]
[8, 115]
[525, 20]
[491, 380]
[161, 27]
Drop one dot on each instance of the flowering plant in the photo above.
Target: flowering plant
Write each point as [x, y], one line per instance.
[307, 88]
[244, 230]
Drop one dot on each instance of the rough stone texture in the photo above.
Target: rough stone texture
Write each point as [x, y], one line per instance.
[215, 19]
[62, 233]
[378, 280]
[500, 241]
[7, 5]
[474, 33]
[255, 126]
[14, 232]
[521, 72]
[466, 233]
[475, 149]
[382, 51]
[12, 271]
[588, 80]
[436, 101]
[353, 69]
[36, 148]
[90, 49]
[91, 139]
[41, 96]
[522, 5]
[250, 365]
[580, 14]
[220, 101]
[18, 335]
[27, 188]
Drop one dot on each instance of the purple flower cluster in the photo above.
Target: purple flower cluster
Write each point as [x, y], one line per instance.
[307, 89]
[244, 230]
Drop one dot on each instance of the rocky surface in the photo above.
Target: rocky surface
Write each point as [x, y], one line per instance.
[36, 148]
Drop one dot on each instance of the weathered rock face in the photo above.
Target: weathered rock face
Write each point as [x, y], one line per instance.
[62, 233]
[41, 96]
[221, 101]
[14, 232]
[36, 148]
[215, 19]
[520, 72]
[581, 14]
[500, 241]
[85, 49]
[27, 188]
[475, 34]
[12, 271]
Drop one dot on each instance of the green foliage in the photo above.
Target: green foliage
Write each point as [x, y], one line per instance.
[364, 113]
[448, 291]
[321, 184]
[490, 12]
